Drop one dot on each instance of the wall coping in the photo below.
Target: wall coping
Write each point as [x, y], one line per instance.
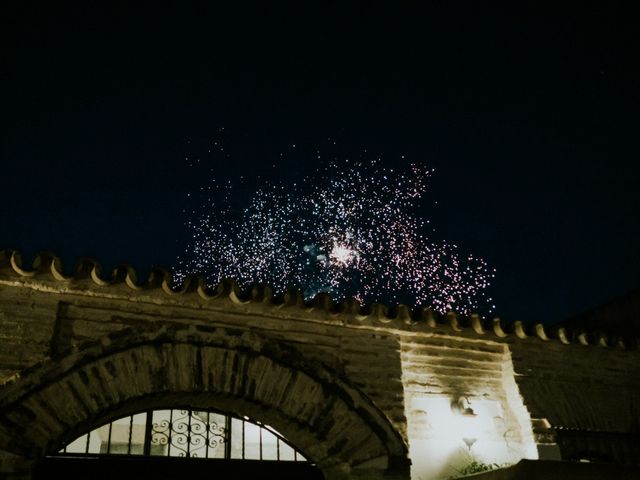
[46, 274]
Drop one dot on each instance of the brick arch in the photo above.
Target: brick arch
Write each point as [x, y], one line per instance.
[319, 412]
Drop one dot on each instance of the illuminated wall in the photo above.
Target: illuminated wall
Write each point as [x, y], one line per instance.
[462, 405]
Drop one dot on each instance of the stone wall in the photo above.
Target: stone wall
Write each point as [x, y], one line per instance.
[589, 394]
[397, 387]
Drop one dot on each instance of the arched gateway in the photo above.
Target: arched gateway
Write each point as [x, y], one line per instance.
[176, 444]
[173, 365]
[360, 391]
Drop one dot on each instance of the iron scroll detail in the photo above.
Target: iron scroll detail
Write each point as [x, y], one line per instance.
[191, 433]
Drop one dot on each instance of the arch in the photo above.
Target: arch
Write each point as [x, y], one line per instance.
[184, 432]
[322, 414]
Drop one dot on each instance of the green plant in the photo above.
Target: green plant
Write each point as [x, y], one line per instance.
[475, 466]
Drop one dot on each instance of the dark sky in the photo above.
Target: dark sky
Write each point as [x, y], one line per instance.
[530, 116]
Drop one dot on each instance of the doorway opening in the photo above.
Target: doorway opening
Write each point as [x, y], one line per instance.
[172, 443]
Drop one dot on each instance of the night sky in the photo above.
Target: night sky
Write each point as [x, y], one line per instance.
[530, 116]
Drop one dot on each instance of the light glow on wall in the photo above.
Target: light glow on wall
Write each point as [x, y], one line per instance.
[453, 432]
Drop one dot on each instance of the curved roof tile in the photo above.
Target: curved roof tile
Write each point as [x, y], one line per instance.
[352, 312]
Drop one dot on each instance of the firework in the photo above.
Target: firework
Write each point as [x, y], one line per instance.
[351, 230]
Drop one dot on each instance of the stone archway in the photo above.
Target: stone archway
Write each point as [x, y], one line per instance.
[329, 420]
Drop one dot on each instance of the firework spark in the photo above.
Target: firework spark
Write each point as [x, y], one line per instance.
[349, 230]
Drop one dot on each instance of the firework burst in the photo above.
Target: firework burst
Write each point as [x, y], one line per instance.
[350, 230]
